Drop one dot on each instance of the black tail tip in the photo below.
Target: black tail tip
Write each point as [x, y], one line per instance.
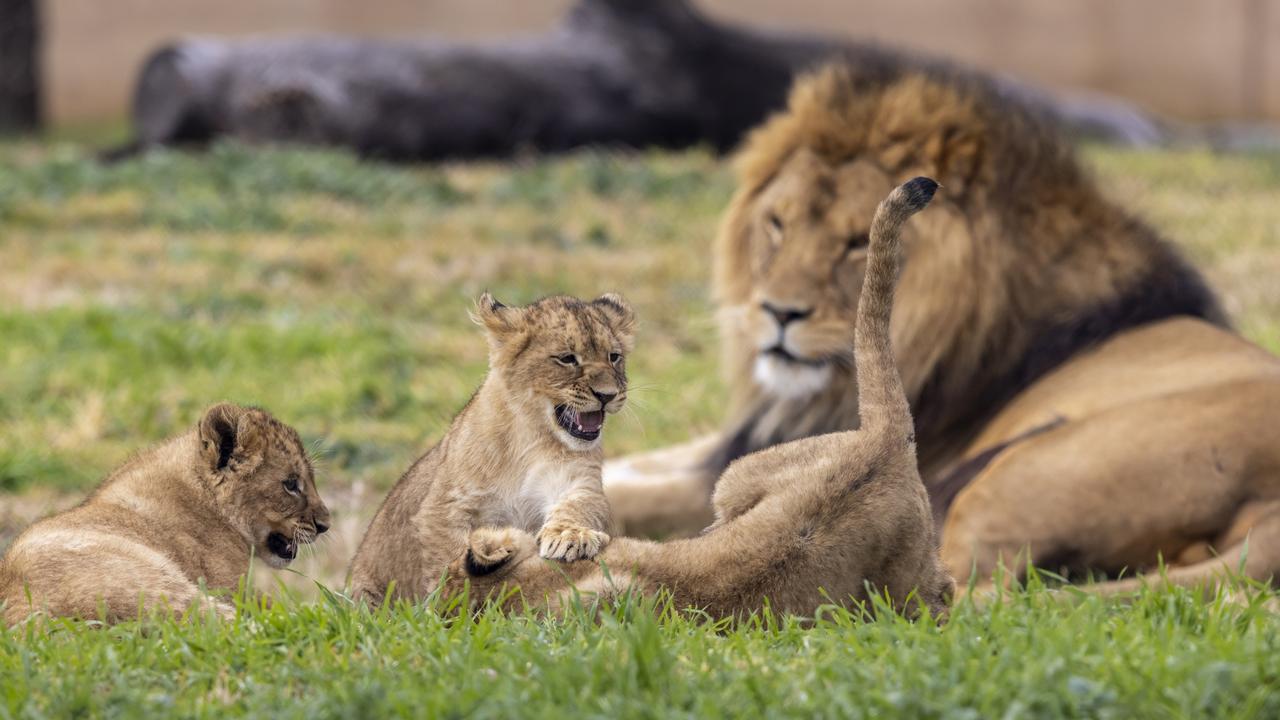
[475, 568]
[918, 192]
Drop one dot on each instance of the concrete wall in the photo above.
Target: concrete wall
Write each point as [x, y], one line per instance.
[1192, 59]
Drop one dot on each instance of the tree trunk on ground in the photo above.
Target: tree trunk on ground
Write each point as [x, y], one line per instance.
[19, 66]
[632, 73]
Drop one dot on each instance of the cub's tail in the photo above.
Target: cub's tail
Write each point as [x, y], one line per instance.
[881, 399]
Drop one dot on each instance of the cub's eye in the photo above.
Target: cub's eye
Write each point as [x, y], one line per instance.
[615, 358]
[567, 359]
[291, 484]
[857, 241]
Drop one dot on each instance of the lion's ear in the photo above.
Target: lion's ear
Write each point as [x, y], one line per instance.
[621, 317]
[499, 321]
[231, 437]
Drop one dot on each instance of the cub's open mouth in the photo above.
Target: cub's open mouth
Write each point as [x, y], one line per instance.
[582, 425]
[281, 546]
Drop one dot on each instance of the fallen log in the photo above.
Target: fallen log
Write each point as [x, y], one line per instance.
[20, 38]
[630, 73]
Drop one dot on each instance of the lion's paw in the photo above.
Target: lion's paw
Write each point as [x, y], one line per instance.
[569, 542]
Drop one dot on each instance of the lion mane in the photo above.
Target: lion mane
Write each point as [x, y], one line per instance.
[1024, 265]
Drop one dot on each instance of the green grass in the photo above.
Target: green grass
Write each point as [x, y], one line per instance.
[1168, 655]
[335, 293]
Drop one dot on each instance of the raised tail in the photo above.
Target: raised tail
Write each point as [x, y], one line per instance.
[882, 401]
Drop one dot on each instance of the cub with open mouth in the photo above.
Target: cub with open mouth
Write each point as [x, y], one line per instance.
[525, 451]
[192, 511]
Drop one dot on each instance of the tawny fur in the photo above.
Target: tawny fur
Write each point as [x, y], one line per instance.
[506, 460]
[827, 519]
[191, 511]
[1079, 399]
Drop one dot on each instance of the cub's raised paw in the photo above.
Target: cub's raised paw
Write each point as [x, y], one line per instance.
[488, 549]
[570, 542]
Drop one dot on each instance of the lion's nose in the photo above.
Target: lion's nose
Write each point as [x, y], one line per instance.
[785, 315]
[321, 527]
[604, 397]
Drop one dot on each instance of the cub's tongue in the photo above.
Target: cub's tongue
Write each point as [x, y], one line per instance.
[591, 421]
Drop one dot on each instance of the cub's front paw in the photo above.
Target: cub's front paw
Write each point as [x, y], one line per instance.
[569, 542]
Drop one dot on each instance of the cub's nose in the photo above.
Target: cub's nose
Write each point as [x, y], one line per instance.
[785, 315]
[321, 527]
[604, 398]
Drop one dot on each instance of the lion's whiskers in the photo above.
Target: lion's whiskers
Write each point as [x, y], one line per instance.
[646, 388]
[635, 417]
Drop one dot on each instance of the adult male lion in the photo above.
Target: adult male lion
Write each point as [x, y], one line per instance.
[1077, 390]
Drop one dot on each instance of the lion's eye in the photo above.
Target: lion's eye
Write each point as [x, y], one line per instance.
[615, 358]
[567, 359]
[775, 228]
[291, 484]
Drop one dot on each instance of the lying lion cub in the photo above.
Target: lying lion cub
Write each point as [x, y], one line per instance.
[813, 521]
[192, 510]
[524, 452]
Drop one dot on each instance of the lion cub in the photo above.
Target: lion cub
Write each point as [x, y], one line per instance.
[525, 452]
[192, 510]
[806, 523]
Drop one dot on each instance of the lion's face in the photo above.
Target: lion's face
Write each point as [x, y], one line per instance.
[808, 246]
[563, 361]
[263, 479]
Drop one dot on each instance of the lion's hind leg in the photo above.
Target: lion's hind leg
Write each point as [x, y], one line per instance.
[1251, 550]
[1114, 491]
[663, 492]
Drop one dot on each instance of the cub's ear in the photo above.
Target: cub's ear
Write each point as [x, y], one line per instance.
[620, 314]
[231, 438]
[499, 320]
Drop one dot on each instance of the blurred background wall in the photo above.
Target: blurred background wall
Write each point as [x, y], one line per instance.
[1188, 59]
